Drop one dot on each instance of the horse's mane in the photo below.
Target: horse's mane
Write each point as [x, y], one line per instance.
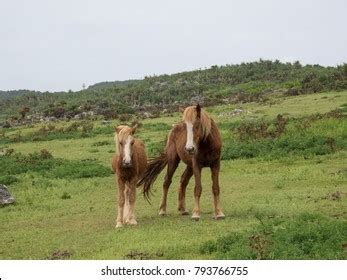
[122, 134]
[190, 115]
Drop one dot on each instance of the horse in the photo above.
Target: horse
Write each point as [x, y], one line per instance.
[197, 142]
[129, 163]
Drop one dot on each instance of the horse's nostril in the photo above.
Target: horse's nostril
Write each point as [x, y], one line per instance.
[126, 163]
[190, 149]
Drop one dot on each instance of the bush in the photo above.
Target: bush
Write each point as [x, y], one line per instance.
[8, 179]
[77, 169]
[318, 134]
[307, 236]
[75, 130]
[50, 167]
[262, 129]
[66, 196]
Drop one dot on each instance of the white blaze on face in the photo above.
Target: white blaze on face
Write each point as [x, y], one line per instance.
[190, 136]
[127, 150]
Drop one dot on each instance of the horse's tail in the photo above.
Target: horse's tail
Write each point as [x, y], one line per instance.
[154, 167]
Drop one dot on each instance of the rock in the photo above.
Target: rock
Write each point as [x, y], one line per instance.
[147, 115]
[197, 100]
[235, 112]
[5, 196]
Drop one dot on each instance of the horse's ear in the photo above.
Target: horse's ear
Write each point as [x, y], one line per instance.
[134, 128]
[117, 129]
[198, 111]
[180, 109]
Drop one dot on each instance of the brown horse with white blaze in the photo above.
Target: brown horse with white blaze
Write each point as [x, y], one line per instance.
[129, 163]
[197, 142]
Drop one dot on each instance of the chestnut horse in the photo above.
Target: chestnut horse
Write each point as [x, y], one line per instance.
[197, 142]
[129, 163]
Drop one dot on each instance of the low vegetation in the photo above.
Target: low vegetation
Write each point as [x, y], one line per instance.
[246, 82]
[306, 236]
[283, 187]
[309, 136]
[45, 165]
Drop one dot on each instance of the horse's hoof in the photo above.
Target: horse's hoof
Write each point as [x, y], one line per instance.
[184, 213]
[219, 217]
[162, 213]
[119, 225]
[195, 218]
[132, 222]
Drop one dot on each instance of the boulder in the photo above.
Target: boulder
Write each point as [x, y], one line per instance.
[5, 196]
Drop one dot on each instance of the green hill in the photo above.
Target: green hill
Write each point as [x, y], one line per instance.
[216, 85]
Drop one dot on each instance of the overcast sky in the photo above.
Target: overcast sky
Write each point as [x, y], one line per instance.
[61, 44]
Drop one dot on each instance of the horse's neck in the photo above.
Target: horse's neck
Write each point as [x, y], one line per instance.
[213, 138]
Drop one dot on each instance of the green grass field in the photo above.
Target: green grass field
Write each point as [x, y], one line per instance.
[285, 200]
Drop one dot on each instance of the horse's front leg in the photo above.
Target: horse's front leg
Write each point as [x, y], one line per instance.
[130, 198]
[218, 214]
[197, 190]
[121, 202]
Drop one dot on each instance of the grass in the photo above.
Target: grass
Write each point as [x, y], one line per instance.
[287, 206]
[44, 164]
[305, 236]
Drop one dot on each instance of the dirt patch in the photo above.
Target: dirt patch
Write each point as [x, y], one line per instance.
[138, 255]
[59, 255]
[336, 196]
[260, 245]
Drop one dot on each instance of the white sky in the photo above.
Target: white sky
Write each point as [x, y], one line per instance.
[61, 44]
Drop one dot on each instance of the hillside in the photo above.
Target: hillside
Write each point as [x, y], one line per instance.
[216, 85]
[283, 188]
[106, 85]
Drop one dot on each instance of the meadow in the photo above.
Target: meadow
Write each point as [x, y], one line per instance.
[283, 188]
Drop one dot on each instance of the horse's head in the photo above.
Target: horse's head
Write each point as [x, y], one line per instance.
[198, 126]
[125, 141]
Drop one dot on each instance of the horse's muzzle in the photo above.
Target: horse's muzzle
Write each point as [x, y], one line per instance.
[190, 150]
[126, 164]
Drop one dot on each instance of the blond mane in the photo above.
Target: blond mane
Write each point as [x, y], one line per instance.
[123, 132]
[190, 115]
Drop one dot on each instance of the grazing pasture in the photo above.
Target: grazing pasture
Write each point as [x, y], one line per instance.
[283, 182]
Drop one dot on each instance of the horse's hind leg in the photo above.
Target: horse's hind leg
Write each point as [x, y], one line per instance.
[187, 174]
[197, 191]
[215, 189]
[121, 202]
[171, 168]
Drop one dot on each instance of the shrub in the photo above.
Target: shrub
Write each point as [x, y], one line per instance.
[318, 134]
[51, 167]
[262, 129]
[8, 179]
[66, 196]
[307, 236]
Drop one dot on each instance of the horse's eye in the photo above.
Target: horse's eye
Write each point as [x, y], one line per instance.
[132, 142]
[121, 143]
